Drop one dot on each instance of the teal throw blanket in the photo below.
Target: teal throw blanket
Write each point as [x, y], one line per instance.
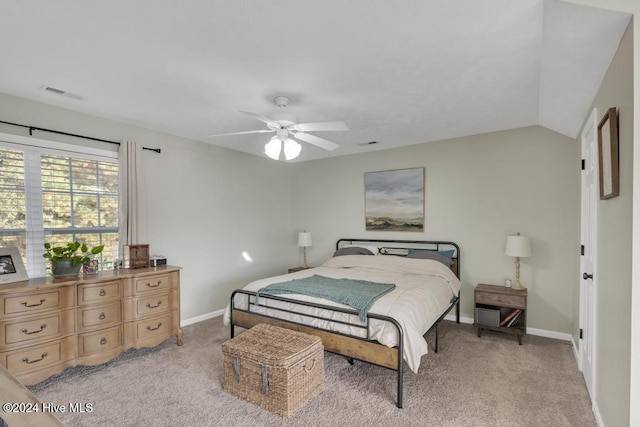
[358, 294]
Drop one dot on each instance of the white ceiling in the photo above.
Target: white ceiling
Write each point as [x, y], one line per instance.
[398, 72]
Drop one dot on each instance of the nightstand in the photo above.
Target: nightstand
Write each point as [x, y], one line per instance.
[498, 308]
[294, 269]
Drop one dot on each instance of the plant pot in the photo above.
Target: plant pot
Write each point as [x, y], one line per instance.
[65, 268]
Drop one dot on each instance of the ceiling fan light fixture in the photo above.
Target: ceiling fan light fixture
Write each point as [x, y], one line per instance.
[291, 149]
[285, 126]
[273, 148]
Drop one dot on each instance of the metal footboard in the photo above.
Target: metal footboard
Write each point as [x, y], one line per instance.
[350, 346]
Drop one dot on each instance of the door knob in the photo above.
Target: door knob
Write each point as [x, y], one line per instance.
[586, 276]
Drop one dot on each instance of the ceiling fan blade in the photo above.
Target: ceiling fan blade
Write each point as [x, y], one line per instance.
[260, 117]
[319, 142]
[242, 133]
[321, 126]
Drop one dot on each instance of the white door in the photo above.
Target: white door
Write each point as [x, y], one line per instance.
[588, 233]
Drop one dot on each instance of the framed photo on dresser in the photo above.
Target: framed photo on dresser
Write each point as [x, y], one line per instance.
[11, 266]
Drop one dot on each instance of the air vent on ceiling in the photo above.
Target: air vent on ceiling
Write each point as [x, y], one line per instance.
[61, 92]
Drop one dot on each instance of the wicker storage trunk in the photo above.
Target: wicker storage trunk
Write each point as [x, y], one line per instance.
[279, 369]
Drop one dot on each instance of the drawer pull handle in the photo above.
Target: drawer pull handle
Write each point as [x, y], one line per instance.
[499, 298]
[102, 316]
[149, 328]
[154, 306]
[103, 341]
[42, 356]
[102, 292]
[26, 332]
[154, 286]
[26, 304]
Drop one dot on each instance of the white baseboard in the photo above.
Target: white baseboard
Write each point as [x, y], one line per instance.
[550, 334]
[451, 317]
[202, 317]
[532, 331]
[596, 413]
[576, 353]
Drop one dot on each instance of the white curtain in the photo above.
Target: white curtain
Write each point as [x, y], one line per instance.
[133, 206]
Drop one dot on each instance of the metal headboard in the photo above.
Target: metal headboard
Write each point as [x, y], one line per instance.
[401, 247]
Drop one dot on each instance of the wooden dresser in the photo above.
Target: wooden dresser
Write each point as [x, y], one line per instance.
[47, 325]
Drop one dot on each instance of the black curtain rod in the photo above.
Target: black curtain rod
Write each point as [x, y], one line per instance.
[32, 128]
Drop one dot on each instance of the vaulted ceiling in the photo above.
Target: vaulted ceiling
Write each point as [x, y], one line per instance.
[398, 72]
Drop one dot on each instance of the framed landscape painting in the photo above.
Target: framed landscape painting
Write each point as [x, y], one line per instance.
[608, 155]
[394, 200]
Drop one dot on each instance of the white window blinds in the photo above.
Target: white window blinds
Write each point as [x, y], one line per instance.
[57, 196]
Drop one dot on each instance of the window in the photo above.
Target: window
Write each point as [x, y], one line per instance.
[57, 196]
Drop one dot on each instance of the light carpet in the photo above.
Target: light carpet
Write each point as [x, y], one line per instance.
[471, 381]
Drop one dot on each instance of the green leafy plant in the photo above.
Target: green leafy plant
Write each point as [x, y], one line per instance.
[78, 253]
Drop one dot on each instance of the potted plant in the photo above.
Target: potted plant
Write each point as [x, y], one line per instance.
[67, 260]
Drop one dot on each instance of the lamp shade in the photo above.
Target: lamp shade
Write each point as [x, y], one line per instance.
[304, 239]
[291, 149]
[273, 148]
[518, 246]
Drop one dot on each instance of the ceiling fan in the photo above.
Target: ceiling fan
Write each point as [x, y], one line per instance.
[285, 128]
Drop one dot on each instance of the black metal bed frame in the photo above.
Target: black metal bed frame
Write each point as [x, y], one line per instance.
[251, 297]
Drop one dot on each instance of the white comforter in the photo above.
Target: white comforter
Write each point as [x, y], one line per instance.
[423, 291]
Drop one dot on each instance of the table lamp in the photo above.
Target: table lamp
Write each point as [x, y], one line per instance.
[304, 241]
[519, 247]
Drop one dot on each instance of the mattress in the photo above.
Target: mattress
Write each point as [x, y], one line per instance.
[424, 291]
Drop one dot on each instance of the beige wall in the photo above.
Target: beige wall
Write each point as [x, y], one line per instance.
[607, 395]
[613, 273]
[206, 204]
[478, 190]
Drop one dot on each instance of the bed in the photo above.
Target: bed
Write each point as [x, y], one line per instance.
[427, 288]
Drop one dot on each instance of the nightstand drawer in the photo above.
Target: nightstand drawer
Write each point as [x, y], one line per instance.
[515, 301]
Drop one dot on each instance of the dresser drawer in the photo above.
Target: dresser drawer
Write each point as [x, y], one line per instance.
[100, 316]
[98, 292]
[102, 340]
[40, 356]
[34, 302]
[29, 329]
[151, 284]
[515, 301]
[139, 307]
[160, 325]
